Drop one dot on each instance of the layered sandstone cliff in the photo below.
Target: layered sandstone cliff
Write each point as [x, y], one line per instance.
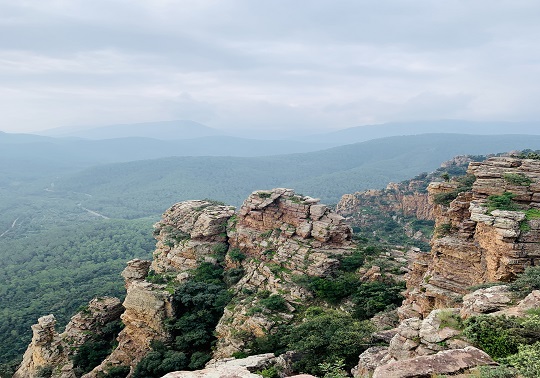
[282, 235]
[186, 235]
[52, 351]
[276, 236]
[475, 243]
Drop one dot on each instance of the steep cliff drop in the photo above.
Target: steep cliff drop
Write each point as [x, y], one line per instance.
[477, 239]
[275, 236]
[279, 235]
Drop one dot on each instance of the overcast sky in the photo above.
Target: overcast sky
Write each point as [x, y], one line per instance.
[267, 64]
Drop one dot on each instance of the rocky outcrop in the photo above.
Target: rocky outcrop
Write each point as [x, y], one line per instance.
[276, 236]
[230, 367]
[44, 351]
[50, 350]
[440, 331]
[445, 362]
[404, 206]
[280, 235]
[407, 199]
[485, 301]
[188, 233]
[147, 306]
[473, 243]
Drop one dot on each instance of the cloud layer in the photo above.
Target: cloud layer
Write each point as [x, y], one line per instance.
[279, 65]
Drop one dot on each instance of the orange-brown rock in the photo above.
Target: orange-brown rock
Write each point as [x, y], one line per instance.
[445, 362]
[187, 234]
[473, 245]
[49, 349]
[147, 306]
[282, 235]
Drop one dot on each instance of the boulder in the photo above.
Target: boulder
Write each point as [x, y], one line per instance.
[445, 362]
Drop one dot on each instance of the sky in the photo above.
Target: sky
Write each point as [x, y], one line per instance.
[267, 65]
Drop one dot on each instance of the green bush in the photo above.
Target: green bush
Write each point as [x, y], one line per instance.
[156, 278]
[330, 289]
[354, 261]
[498, 336]
[333, 369]
[371, 298]
[464, 184]
[501, 371]
[443, 230]
[449, 319]
[327, 336]
[271, 372]
[115, 372]
[527, 360]
[233, 275]
[527, 281]
[92, 352]
[532, 214]
[530, 154]
[159, 362]
[445, 198]
[502, 202]
[208, 273]
[274, 302]
[517, 179]
[236, 255]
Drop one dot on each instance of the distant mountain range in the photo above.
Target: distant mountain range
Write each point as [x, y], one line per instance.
[186, 129]
[141, 188]
[166, 130]
[368, 132]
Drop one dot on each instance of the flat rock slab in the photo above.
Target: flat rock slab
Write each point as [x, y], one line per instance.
[217, 372]
[445, 362]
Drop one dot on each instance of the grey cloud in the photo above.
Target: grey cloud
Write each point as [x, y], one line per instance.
[267, 64]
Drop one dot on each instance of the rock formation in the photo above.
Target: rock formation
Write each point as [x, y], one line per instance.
[281, 235]
[275, 236]
[473, 243]
[399, 204]
[146, 305]
[186, 235]
[50, 350]
[445, 362]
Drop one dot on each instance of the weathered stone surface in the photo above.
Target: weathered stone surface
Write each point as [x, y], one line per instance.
[219, 372]
[146, 308]
[445, 362]
[50, 349]
[136, 269]
[369, 360]
[478, 247]
[530, 302]
[281, 234]
[484, 301]
[229, 367]
[252, 363]
[187, 234]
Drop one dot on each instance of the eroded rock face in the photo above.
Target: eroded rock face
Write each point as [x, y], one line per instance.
[445, 362]
[53, 350]
[187, 234]
[474, 246]
[146, 306]
[281, 235]
[485, 301]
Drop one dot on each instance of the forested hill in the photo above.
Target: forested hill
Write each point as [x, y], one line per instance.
[146, 187]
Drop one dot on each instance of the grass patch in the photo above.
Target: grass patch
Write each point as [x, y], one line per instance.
[502, 202]
[518, 179]
[532, 214]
